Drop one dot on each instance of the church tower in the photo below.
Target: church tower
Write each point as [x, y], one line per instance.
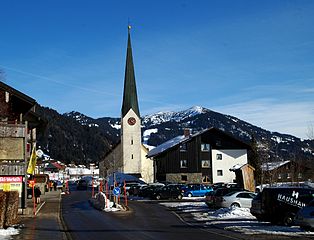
[130, 119]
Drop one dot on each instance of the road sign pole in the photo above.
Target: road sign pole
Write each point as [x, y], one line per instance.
[125, 196]
[32, 183]
[106, 194]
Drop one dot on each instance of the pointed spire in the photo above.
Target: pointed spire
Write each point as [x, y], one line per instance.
[129, 94]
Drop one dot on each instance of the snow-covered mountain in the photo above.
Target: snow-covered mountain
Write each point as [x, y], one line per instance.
[161, 117]
[162, 126]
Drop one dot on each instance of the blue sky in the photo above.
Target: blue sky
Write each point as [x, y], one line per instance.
[250, 59]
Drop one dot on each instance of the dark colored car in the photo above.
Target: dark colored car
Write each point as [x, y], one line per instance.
[168, 192]
[280, 204]
[81, 184]
[148, 190]
[305, 217]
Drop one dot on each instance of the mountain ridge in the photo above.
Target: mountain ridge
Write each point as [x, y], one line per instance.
[162, 126]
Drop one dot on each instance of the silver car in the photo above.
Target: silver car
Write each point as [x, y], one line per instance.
[305, 217]
[237, 199]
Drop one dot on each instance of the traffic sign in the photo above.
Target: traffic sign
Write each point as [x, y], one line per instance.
[116, 191]
[31, 183]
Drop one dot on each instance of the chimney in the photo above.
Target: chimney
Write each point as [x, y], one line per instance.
[187, 132]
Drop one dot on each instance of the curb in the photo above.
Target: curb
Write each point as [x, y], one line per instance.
[64, 226]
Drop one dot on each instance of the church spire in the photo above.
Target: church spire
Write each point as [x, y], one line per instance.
[129, 94]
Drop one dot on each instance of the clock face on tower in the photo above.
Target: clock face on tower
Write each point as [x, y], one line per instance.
[131, 121]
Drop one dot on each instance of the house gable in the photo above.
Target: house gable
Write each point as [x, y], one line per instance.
[194, 157]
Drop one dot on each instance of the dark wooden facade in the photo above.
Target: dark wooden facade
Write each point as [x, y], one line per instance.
[290, 171]
[14, 104]
[192, 150]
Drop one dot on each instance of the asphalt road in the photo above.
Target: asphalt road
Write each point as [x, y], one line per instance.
[145, 220]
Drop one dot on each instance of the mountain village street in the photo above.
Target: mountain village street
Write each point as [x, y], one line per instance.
[146, 219]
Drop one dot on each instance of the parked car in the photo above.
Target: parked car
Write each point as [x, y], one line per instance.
[305, 217]
[129, 187]
[225, 185]
[167, 192]
[147, 191]
[135, 189]
[196, 190]
[209, 199]
[81, 184]
[280, 204]
[236, 199]
[216, 195]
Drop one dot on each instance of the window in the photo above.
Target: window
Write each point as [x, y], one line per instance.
[132, 156]
[279, 176]
[184, 178]
[205, 164]
[206, 179]
[204, 147]
[7, 97]
[183, 164]
[218, 156]
[219, 173]
[299, 175]
[183, 147]
[288, 175]
[131, 141]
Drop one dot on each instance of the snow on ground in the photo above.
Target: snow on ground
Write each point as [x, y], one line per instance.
[101, 202]
[234, 219]
[7, 233]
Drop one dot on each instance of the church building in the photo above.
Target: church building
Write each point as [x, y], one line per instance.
[128, 156]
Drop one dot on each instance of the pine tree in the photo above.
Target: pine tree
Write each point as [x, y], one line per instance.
[254, 160]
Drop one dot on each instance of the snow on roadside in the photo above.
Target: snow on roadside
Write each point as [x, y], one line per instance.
[232, 213]
[101, 202]
[234, 219]
[7, 233]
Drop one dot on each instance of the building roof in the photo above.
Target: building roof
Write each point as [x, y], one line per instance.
[181, 139]
[17, 93]
[129, 94]
[269, 166]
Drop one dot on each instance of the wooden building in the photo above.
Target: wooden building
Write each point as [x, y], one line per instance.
[204, 157]
[287, 171]
[18, 123]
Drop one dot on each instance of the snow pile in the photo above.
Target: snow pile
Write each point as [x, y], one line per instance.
[232, 213]
[101, 202]
[251, 227]
[8, 232]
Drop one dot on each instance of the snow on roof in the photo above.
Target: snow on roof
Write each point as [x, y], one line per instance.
[166, 145]
[149, 147]
[180, 139]
[273, 165]
[236, 167]
[173, 142]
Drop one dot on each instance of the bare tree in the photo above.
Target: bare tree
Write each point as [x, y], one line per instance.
[264, 156]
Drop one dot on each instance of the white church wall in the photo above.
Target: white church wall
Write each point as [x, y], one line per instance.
[131, 141]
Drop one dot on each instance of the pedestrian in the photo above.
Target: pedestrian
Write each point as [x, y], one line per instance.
[37, 193]
[55, 185]
[50, 185]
